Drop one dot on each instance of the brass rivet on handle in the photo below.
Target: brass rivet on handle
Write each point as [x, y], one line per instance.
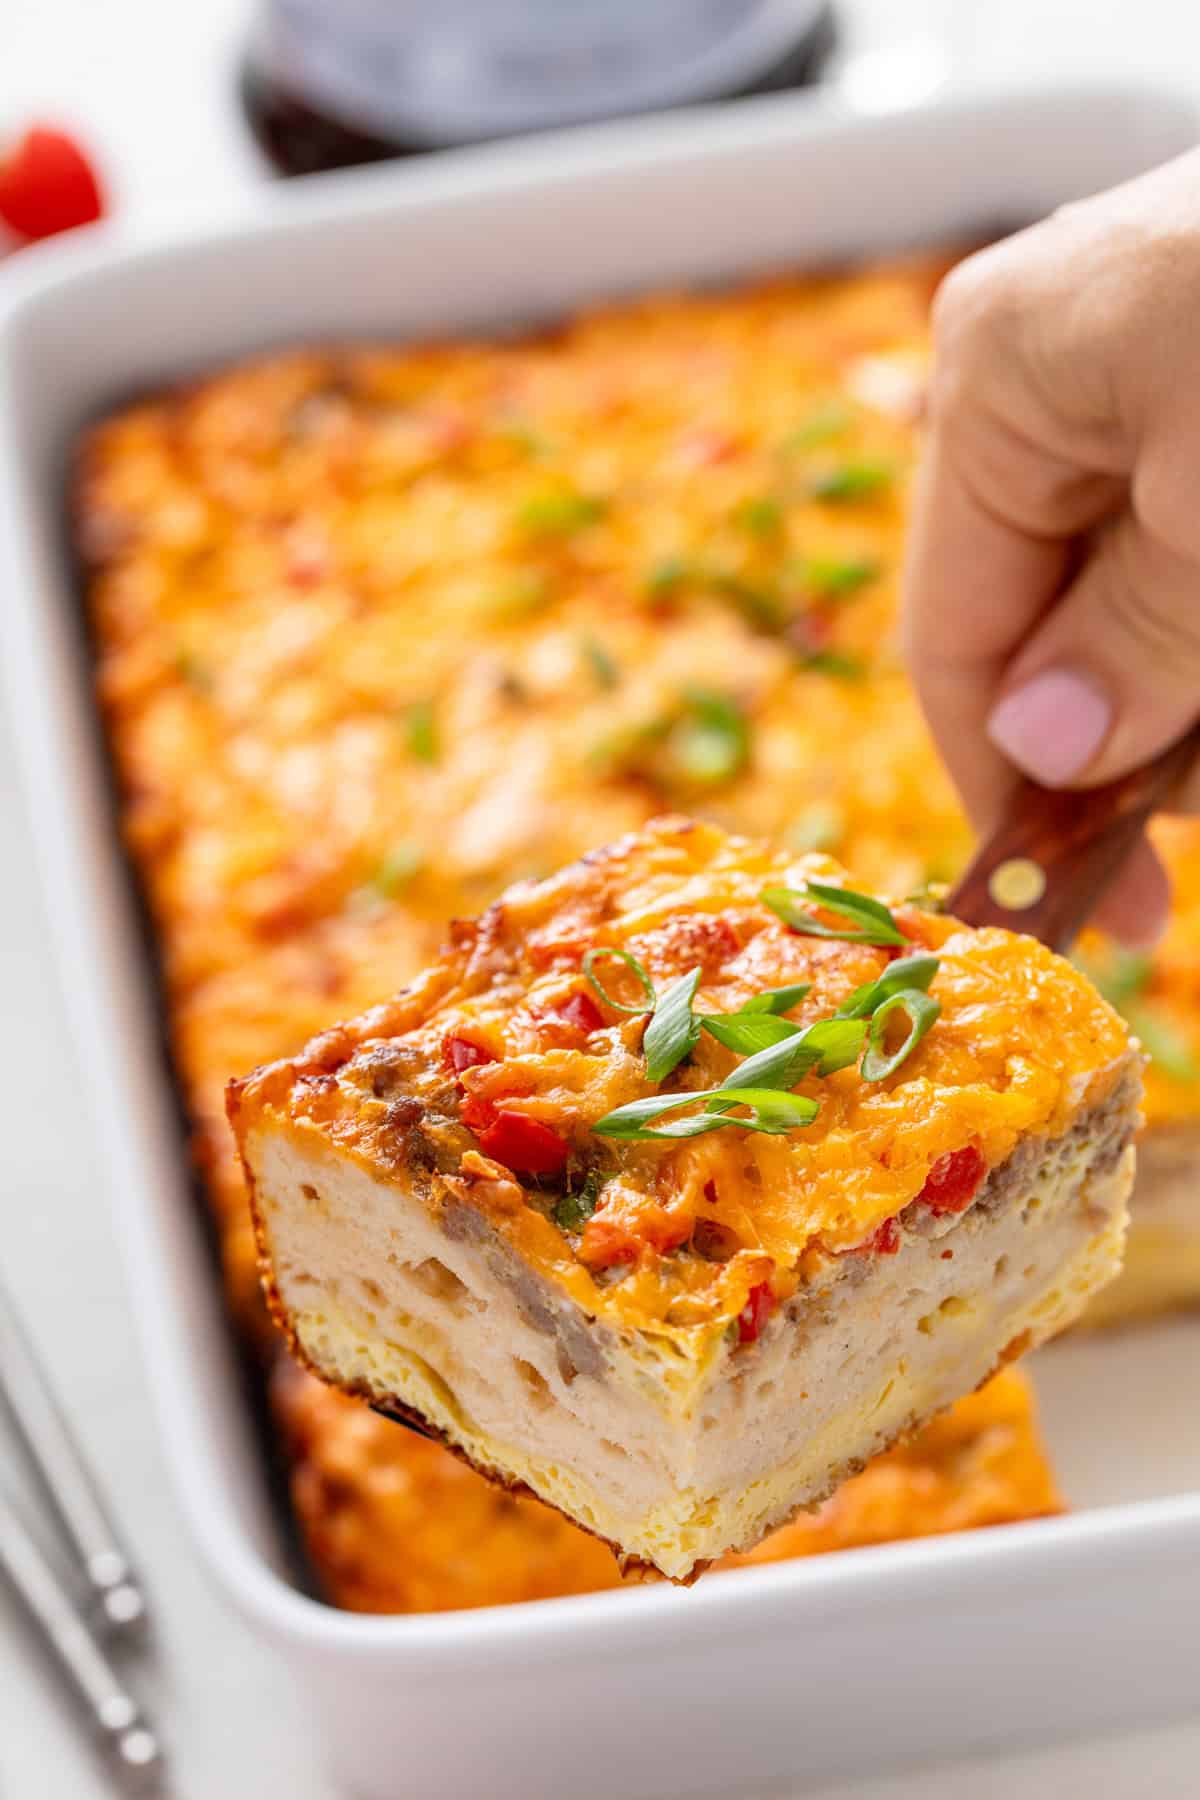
[1017, 883]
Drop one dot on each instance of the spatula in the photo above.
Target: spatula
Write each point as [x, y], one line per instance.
[1056, 852]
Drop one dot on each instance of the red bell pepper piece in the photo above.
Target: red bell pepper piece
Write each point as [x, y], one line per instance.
[459, 1053]
[523, 1144]
[580, 1011]
[953, 1180]
[760, 1303]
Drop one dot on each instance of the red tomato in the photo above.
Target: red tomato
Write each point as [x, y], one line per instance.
[580, 1011]
[760, 1303]
[523, 1144]
[47, 185]
[953, 1180]
[459, 1053]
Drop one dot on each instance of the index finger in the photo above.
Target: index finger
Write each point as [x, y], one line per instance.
[976, 583]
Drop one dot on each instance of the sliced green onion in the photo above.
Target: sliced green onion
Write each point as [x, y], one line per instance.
[777, 1000]
[849, 481]
[906, 972]
[824, 422]
[559, 514]
[629, 750]
[602, 664]
[668, 574]
[920, 1009]
[711, 741]
[819, 827]
[397, 869]
[1164, 1043]
[631, 962]
[572, 1211]
[673, 1032]
[836, 578]
[630, 1121]
[770, 1110]
[779, 1066]
[827, 1045]
[875, 924]
[420, 727]
[524, 592]
[523, 437]
[748, 1032]
[194, 670]
[837, 1043]
[930, 896]
[763, 1082]
[759, 605]
[1122, 976]
[837, 663]
[754, 1026]
[760, 514]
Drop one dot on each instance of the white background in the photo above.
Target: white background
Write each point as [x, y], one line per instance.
[151, 87]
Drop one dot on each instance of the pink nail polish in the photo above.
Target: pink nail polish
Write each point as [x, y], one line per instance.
[1052, 727]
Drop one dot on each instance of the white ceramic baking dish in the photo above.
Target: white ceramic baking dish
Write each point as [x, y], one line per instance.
[800, 1672]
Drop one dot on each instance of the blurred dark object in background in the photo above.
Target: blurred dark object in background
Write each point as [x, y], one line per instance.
[326, 87]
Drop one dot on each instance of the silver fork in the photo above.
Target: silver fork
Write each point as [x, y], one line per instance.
[112, 1592]
[110, 1711]
[112, 1598]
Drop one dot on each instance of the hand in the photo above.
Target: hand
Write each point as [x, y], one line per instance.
[1053, 582]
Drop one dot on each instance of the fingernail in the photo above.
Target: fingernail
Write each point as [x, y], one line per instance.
[1052, 727]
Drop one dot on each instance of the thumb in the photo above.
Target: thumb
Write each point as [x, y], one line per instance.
[1112, 674]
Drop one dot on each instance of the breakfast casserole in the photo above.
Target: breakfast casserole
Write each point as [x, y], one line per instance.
[395, 1524]
[379, 630]
[688, 1179]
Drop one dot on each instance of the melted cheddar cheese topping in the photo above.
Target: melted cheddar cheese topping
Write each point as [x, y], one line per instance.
[506, 1027]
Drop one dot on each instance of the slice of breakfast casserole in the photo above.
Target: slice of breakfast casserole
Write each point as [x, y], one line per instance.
[689, 1179]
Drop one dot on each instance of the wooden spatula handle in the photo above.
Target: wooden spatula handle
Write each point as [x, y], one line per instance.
[1055, 853]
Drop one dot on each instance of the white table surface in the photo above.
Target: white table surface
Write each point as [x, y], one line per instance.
[151, 86]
